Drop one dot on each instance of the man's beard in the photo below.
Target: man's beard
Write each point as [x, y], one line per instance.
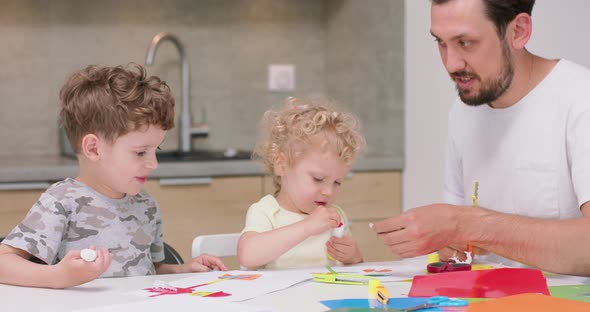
[491, 89]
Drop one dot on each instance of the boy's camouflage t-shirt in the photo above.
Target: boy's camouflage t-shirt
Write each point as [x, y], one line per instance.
[72, 216]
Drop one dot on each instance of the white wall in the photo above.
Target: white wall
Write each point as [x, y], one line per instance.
[559, 31]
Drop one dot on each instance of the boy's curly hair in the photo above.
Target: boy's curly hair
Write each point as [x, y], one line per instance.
[295, 127]
[113, 101]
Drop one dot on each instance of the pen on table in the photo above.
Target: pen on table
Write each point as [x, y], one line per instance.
[379, 291]
[474, 199]
[382, 295]
[341, 278]
[433, 257]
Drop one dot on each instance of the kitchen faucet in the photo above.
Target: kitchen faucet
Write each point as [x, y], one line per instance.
[186, 129]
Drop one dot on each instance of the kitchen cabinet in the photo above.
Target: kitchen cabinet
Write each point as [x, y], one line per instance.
[189, 207]
[203, 205]
[14, 205]
[197, 206]
[219, 205]
[366, 197]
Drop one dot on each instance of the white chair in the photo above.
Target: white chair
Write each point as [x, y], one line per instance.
[219, 245]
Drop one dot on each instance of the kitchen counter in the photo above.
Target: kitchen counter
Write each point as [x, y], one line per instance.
[17, 169]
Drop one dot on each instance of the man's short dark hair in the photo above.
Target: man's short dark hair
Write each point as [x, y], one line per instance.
[502, 12]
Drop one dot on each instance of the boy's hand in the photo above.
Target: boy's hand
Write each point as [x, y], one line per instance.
[73, 270]
[344, 249]
[206, 263]
[321, 220]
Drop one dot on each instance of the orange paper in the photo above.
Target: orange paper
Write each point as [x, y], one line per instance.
[529, 302]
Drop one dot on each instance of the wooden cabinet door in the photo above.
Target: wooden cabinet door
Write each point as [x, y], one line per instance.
[371, 196]
[368, 197]
[218, 206]
[14, 205]
[371, 247]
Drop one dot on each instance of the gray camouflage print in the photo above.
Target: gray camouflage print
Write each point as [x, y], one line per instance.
[72, 216]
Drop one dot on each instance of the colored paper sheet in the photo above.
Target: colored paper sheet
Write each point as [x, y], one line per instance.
[573, 292]
[176, 303]
[396, 272]
[494, 283]
[364, 310]
[230, 286]
[529, 302]
[394, 303]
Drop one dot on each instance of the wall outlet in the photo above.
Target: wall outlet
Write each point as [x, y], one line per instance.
[281, 77]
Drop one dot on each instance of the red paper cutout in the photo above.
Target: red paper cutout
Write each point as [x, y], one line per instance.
[210, 294]
[163, 291]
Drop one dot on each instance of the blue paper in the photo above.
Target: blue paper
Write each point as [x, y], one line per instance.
[395, 303]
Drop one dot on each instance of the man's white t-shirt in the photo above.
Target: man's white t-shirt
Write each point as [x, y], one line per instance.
[530, 159]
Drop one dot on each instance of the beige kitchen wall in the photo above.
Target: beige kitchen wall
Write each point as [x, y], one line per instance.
[351, 50]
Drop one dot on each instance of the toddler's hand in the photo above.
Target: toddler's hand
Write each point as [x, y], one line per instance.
[322, 219]
[74, 270]
[206, 263]
[344, 249]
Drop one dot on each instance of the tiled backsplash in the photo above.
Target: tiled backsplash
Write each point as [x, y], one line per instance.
[351, 50]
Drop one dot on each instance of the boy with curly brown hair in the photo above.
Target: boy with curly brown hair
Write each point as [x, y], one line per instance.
[115, 118]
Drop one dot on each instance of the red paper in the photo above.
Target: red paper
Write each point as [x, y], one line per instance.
[493, 283]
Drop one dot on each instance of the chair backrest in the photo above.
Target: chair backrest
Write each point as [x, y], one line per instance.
[219, 245]
[171, 256]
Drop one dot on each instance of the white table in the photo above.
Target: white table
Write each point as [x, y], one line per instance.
[107, 291]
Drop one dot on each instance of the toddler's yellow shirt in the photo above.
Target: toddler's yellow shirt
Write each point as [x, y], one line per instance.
[266, 215]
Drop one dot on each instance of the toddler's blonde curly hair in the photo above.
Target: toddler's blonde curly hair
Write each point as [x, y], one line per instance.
[293, 128]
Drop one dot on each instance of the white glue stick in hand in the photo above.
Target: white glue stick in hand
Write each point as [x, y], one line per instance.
[88, 255]
[339, 231]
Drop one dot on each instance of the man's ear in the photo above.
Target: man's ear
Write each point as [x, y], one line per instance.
[90, 147]
[520, 30]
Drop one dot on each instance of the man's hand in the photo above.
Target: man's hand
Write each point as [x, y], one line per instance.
[421, 230]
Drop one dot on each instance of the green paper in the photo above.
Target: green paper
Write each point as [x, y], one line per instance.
[572, 292]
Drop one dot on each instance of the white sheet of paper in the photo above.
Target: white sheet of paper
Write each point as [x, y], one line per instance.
[399, 271]
[240, 290]
[177, 303]
[269, 281]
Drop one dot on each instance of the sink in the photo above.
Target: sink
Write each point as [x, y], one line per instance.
[203, 155]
